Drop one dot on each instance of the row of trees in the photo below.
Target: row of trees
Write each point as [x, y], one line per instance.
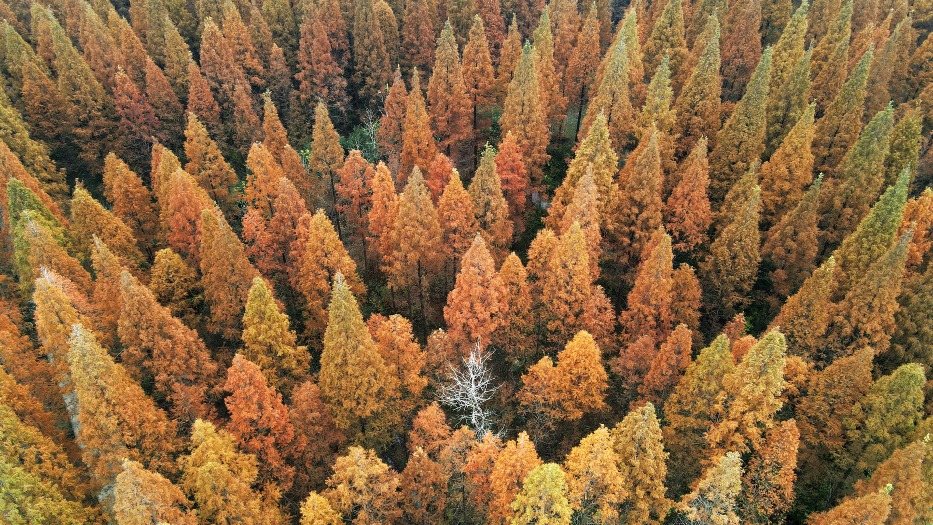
[466, 262]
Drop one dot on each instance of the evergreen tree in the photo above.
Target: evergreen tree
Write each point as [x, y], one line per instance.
[837, 130]
[269, 342]
[788, 171]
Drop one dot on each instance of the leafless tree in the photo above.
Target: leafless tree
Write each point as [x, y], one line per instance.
[469, 388]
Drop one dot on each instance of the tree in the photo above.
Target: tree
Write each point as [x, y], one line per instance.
[831, 54]
[667, 39]
[142, 496]
[565, 286]
[506, 479]
[543, 498]
[418, 146]
[595, 485]
[390, 134]
[478, 73]
[30, 499]
[687, 214]
[455, 214]
[476, 304]
[269, 342]
[574, 387]
[319, 72]
[884, 420]
[873, 237]
[550, 95]
[139, 125]
[423, 490]
[790, 78]
[317, 438]
[740, 142]
[116, 419]
[219, 478]
[89, 219]
[315, 510]
[180, 214]
[326, 157]
[697, 106]
[729, 271]
[903, 473]
[668, 366]
[714, 498]
[635, 212]
[226, 274]
[372, 70]
[259, 421]
[524, 116]
[613, 99]
[872, 509]
[415, 237]
[741, 45]
[353, 398]
[450, 106]
[840, 124]
[791, 244]
[594, 152]
[788, 171]
[382, 214]
[207, 165]
[513, 177]
[688, 410]
[158, 346]
[201, 101]
[768, 485]
[649, 301]
[580, 73]
[489, 205]
[320, 257]
[363, 489]
[470, 388]
[419, 28]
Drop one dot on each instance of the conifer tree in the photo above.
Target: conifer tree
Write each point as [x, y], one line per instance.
[595, 486]
[259, 421]
[789, 169]
[415, 237]
[180, 214]
[872, 509]
[455, 214]
[319, 258]
[668, 366]
[640, 452]
[319, 73]
[89, 219]
[596, 152]
[543, 498]
[550, 95]
[418, 146]
[688, 410]
[269, 342]
[450, 105]
[509, 54]
[315, 510]
[489, 205]
[741, 46]
[158, 346]
[207, 165]
[525, 117]
[326, 158]
[476, 304]
[144, 496]
[363, 489]
[791, 244]
[33, 154]
[29, 498]
[904, 145]
[859, 178]
[649, 301]
[875, 234]
[884, 419]
[201, 100]
[730, 270]
[865, 317]
[389, 136]
[566, 286]
[580, 72]
[612, 97]
[219, 478]
[790, 78]
[139, 125]
[423, 489]
[352, 397]
[575, 386]
[175, 285]
[635, 212]
[687, 214]
[419, 29]
[382, 213]
[903, 472]
[841, 122]
[226, 274]
[116, 419]
[750, 398]
[741, 141]
[667, 39]
[478, 73]
[697, 106]
[831, 54]
[516, 333]
[372, 70]
[506, 478]
[714, 498]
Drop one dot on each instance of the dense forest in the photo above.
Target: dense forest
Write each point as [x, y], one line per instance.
[466, 262]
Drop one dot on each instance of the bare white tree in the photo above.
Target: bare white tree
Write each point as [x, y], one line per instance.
[469, 388]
